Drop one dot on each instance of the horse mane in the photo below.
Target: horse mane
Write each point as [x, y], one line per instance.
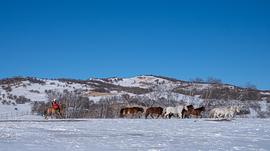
[141, 109]
[200, 108]
[190, 107]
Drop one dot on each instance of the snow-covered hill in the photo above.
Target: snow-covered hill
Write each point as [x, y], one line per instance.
[19, 93]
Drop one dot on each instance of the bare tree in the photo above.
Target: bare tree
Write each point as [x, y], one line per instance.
[214, 80]
[198, 79]
[251, 86]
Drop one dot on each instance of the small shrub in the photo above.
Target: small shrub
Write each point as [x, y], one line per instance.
[22, 100]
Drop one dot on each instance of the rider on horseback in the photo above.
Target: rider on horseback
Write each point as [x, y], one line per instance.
[55, 106]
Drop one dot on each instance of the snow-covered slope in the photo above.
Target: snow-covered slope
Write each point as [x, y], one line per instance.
[142, 81]
[15, 92]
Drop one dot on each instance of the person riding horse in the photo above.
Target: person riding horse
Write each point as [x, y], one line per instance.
[55, 106]
[55, 110]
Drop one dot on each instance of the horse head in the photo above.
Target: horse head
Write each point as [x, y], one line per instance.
[122, 112]
[190, 107]
[140, 109]
[203, 108]
[235, 109]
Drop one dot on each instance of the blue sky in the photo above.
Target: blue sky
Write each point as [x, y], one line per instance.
[227, 39]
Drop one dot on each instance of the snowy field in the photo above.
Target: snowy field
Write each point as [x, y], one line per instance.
[139, 134]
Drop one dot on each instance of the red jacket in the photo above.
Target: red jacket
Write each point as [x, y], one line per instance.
[55, 105]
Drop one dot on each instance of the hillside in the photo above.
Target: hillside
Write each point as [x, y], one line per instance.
[104, 97]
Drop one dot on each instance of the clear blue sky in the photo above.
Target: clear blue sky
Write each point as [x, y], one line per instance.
[227, 39]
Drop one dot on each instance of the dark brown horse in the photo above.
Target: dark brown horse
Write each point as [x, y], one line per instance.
[197, 112]
[187, 113]
[131, 111]
[154, 111]
[192, 112]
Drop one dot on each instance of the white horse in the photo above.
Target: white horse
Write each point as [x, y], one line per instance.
[174, 111]
[225, 112]
[232, 111]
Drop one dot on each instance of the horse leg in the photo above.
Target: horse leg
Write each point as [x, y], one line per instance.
[201, 115]
[215, 115]
[183, 115]
[151, 114]
[188, 115]
[163, 114]
[146, 115]
[58, 114]
[166, 115]
[45, 116]
[48, 113]
[170, 115]
[61, 113]
[53, 115]
[179, 115]
[196, 115]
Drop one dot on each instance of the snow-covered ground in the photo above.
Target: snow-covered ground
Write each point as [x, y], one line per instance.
[10, 109]
[137, 134]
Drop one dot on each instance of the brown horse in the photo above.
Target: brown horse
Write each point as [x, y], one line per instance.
[154, 110]
[193, 112]
[53, 113]
[131, 111]
[197, 112]
[187, 113]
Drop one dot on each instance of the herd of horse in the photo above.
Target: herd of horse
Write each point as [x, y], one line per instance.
[227, 112]
[179, 112]
[168, 112]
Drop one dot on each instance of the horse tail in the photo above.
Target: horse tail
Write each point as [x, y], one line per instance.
[122, 112]
[210, 114]
[45, 113]
[163, 114]
[183, 112]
